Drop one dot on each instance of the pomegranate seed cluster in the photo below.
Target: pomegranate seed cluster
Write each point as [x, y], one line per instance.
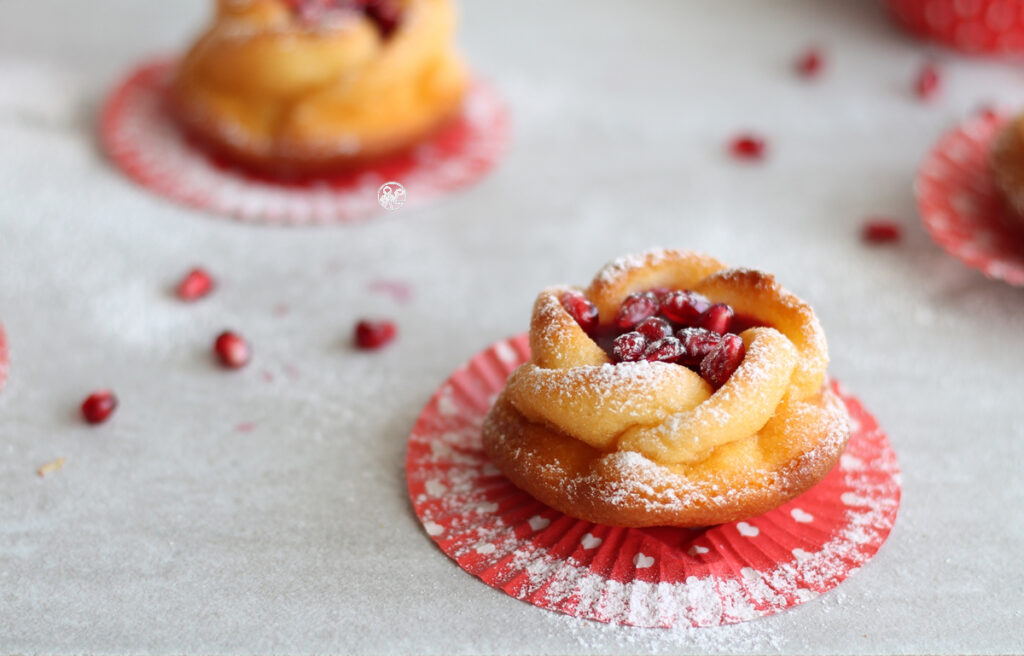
[680, 327]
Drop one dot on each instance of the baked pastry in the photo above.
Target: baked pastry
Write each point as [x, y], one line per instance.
[309, 87]
[673, 391]
[1007, 160]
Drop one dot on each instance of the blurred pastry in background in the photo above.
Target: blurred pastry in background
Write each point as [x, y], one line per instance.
[1007, 159]
[981, 27]
[313, 87]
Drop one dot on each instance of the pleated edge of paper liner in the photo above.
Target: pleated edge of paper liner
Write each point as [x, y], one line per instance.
[979, 130]
[228, 194]
[751, 593]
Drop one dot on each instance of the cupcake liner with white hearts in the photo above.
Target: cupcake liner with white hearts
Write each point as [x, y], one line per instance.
[961, 207]
[141, 137]
[653, 577]
[973, 26]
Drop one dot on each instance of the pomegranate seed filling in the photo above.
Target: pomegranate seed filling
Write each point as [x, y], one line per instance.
[697, 344]
[580, 309]
[720, 364]
[655, 328]
[674, 326]
[683, 307]
[629, 347]
[666, 349]
[637, 307]
[716, 318]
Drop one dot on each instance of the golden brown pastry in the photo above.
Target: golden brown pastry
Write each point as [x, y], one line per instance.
[1007, 159]
[307, 87]
[672, 391]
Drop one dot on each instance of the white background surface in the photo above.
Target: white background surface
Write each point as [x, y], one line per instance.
[170, 531]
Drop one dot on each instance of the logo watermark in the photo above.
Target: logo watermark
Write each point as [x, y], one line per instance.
[391, 196]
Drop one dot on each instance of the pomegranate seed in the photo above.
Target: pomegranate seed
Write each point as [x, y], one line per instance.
[809, 63]
[386, 14]
[654, 328]
[637, 307]
[231, 350]
[748, 147]
[881, 231]
[629, 347]
[720, 364]
[927, 82]
[683, 307]
[666, 349]
[716, 318]
[580, 309]
[98, 406]
[374, 334]
[196, 284]
[697, 343]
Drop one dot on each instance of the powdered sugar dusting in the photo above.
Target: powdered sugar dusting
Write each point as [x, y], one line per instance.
[620, 266]
[646, 577]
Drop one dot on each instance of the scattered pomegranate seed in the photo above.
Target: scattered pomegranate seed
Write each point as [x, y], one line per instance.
[654, 328]
[810, 63]
[720, 364]
[637, 307]
[231, 350]
[748, 147]
[881, 231]
[666, 349]
[716, 318]
[196, 284]
[374, 334]
[580, 309]
[98, 406]
[926, 85]
[629, 347]
[697, 343]
[683, 307]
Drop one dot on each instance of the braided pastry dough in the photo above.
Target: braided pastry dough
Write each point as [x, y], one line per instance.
[277, 93]
[652, 443]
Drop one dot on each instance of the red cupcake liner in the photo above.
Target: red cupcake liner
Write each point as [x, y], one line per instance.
[973, 26]
[143, 140]
[962, 209]
[653, 577]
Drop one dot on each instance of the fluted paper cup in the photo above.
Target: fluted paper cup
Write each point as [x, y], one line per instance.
[141, 137]
[961, 207]
[652, 577]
